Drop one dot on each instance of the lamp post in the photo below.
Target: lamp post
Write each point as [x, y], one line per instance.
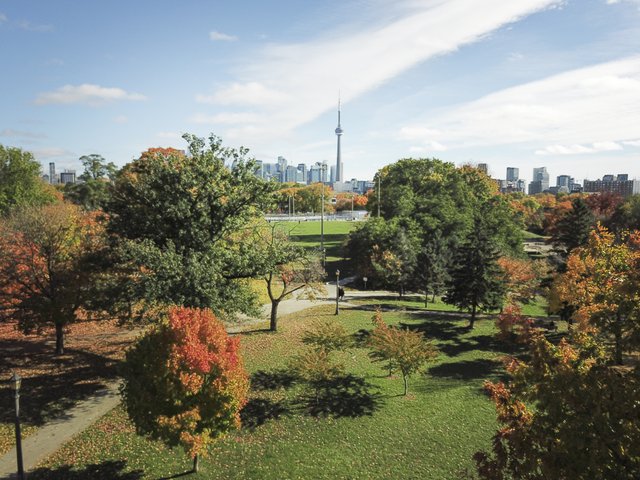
[337, 292]
[16, 380]
[364, 279]
[378, 194]
[324, 169]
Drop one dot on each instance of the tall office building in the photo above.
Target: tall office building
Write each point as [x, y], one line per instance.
[484, 168]
[52, 172]
[540, 182]
[339, 175]
[513, 174]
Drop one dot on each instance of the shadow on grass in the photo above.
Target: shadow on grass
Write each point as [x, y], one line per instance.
[258, 411]
[467, 370]
[344, 396]
[263, 380]
[74, 376]
[108, 470]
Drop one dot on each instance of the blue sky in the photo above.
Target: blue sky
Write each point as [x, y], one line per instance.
[522, 83]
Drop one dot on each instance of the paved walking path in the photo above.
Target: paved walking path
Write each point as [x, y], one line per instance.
[52, 436]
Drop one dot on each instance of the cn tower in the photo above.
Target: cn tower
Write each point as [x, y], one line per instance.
[339, 167]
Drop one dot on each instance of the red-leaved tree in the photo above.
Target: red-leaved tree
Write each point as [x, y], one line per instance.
[185, 382]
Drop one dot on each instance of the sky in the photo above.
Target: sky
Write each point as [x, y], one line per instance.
[518, 83]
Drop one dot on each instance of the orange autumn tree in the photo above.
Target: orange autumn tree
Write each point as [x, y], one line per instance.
[185, 381]
[603, 281]
[47, 255]
[565, 414]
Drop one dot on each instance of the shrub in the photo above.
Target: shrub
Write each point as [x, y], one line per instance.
[184, 381]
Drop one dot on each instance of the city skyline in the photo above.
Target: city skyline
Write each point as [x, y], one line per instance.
[526, 84]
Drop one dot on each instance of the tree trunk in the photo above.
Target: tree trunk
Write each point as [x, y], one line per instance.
[196, 463]
[433, 298]
[273, 326]
[472, 320]
[404, 378]
[426, 299]
[59, 339]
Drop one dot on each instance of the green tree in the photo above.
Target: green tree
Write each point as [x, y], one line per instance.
[97, 168]
[475, 282]
[92, 192]
[431, 266]
[573, 229]
[20, 182]
[178, 223]
[403, 350]
[285, 267]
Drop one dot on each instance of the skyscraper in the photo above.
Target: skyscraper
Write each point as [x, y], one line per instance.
[513, 174]
[52, 172]
[339, 167]
[540, 181]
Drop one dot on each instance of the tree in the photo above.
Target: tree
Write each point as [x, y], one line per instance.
[404, 350]
[177, 222]
[603, 281]
[184, 382]
[20, 182]
[394, 265]
[475, 281]
[92, 192]
[285, 267]
[97, 168]
[521, 278]
[46, 265]
[626, 215]
[565, 414]
[573, 228]
[431, 265]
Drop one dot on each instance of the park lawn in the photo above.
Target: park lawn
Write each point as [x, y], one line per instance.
[307, 234]
[537, 308]
[363, 429]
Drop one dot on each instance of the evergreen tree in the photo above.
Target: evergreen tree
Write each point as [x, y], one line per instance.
[574, 227]
[475, 281]
[431, 267]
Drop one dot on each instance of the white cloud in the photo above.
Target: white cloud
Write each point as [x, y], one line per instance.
[120, 119]
[87, 94]
[225, 118]
[250, 93]
[293, 84]
[32, 27]
[168, 135]
[221, 37]
[3, 17]
[51, 152]
[10, 133]
[579, 149]
[632, 143]
[592, 109]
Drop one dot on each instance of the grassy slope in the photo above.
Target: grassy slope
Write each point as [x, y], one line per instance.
[370, 432]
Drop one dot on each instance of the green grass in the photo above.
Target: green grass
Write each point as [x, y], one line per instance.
[368, 429]
[416, 302]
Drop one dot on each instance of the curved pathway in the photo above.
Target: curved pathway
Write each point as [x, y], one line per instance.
[52, 436]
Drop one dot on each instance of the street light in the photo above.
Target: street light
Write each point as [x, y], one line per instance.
[16, 381]
[322, 178]
[337, 292]
[364, 279]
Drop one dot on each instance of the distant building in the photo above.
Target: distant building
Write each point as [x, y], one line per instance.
[540, 182]
[615, 184]
[52, 173]
[513, 174]
[484, 168]
[68, 176]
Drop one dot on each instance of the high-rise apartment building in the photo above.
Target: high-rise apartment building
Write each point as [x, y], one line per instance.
[615, 184]
[52, 173]
[484, 168]
[513, 174]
